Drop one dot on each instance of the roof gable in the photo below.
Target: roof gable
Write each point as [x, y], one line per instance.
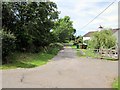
[89, 34]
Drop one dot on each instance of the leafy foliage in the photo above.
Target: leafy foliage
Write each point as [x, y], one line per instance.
[102, 39]
[63, 29]
[30, 22]
[86, 42]
[8, 44]
[78, 40]
[27, 60]
[54, 48]
[33, 27]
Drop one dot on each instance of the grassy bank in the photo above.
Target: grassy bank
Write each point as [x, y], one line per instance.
[29, 60]
[88, 53]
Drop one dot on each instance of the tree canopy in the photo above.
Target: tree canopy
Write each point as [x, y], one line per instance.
[32, 26]
[30, 23]
[63, 29]
[102, 39]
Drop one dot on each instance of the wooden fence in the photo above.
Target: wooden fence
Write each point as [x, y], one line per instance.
[109, 53]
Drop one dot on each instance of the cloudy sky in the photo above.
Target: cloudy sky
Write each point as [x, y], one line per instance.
[83, 11]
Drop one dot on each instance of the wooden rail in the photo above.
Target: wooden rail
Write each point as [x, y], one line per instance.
[111, 53]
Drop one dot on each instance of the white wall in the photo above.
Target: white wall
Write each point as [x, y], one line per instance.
[86, 38]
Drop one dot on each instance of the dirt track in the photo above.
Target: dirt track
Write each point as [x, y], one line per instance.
[65, 71]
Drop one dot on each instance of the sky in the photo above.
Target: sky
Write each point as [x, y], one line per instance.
[83, 11]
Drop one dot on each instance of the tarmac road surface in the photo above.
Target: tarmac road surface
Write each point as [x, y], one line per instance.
[66, 70]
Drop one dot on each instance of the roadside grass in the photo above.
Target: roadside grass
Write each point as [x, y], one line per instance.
[115, 84]
[80, 54]
[87, 53]
[29, 60]
[74, 47]
[90, 53]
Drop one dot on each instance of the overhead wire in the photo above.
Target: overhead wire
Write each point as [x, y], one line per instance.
[98, 15]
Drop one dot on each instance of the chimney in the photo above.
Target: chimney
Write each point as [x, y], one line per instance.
[100, 28]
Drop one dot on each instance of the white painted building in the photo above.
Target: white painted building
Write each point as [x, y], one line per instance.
[88, 35]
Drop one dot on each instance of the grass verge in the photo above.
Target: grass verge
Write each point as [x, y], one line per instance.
[92, 54]
[87, 53]
[74, 47]
[115, 84]
[29, 60]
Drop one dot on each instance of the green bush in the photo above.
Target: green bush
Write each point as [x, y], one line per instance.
[86, 42]
[102, 39]
[8, 45]
[56, 45]
[53, 48]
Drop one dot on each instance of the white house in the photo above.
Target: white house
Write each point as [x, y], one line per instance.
[88, 35]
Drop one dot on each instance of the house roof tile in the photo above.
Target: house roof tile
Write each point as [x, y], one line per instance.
[89, 34]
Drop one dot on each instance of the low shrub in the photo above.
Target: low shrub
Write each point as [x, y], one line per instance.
[53, 48]
[56, 45]
[8, 45]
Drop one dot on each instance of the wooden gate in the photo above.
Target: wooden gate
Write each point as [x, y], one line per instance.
[111, 53]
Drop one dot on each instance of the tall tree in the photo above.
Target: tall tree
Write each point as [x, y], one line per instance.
[26, 25]
[29, 22]
[102, 39]
[64, 29]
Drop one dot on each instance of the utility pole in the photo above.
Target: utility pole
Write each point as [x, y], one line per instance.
[119, 44]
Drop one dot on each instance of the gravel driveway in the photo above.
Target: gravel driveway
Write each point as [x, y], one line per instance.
[66, 70]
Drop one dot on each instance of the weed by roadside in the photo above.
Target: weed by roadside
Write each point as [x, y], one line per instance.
[29, 60]
[115, 84]
[92, 54]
